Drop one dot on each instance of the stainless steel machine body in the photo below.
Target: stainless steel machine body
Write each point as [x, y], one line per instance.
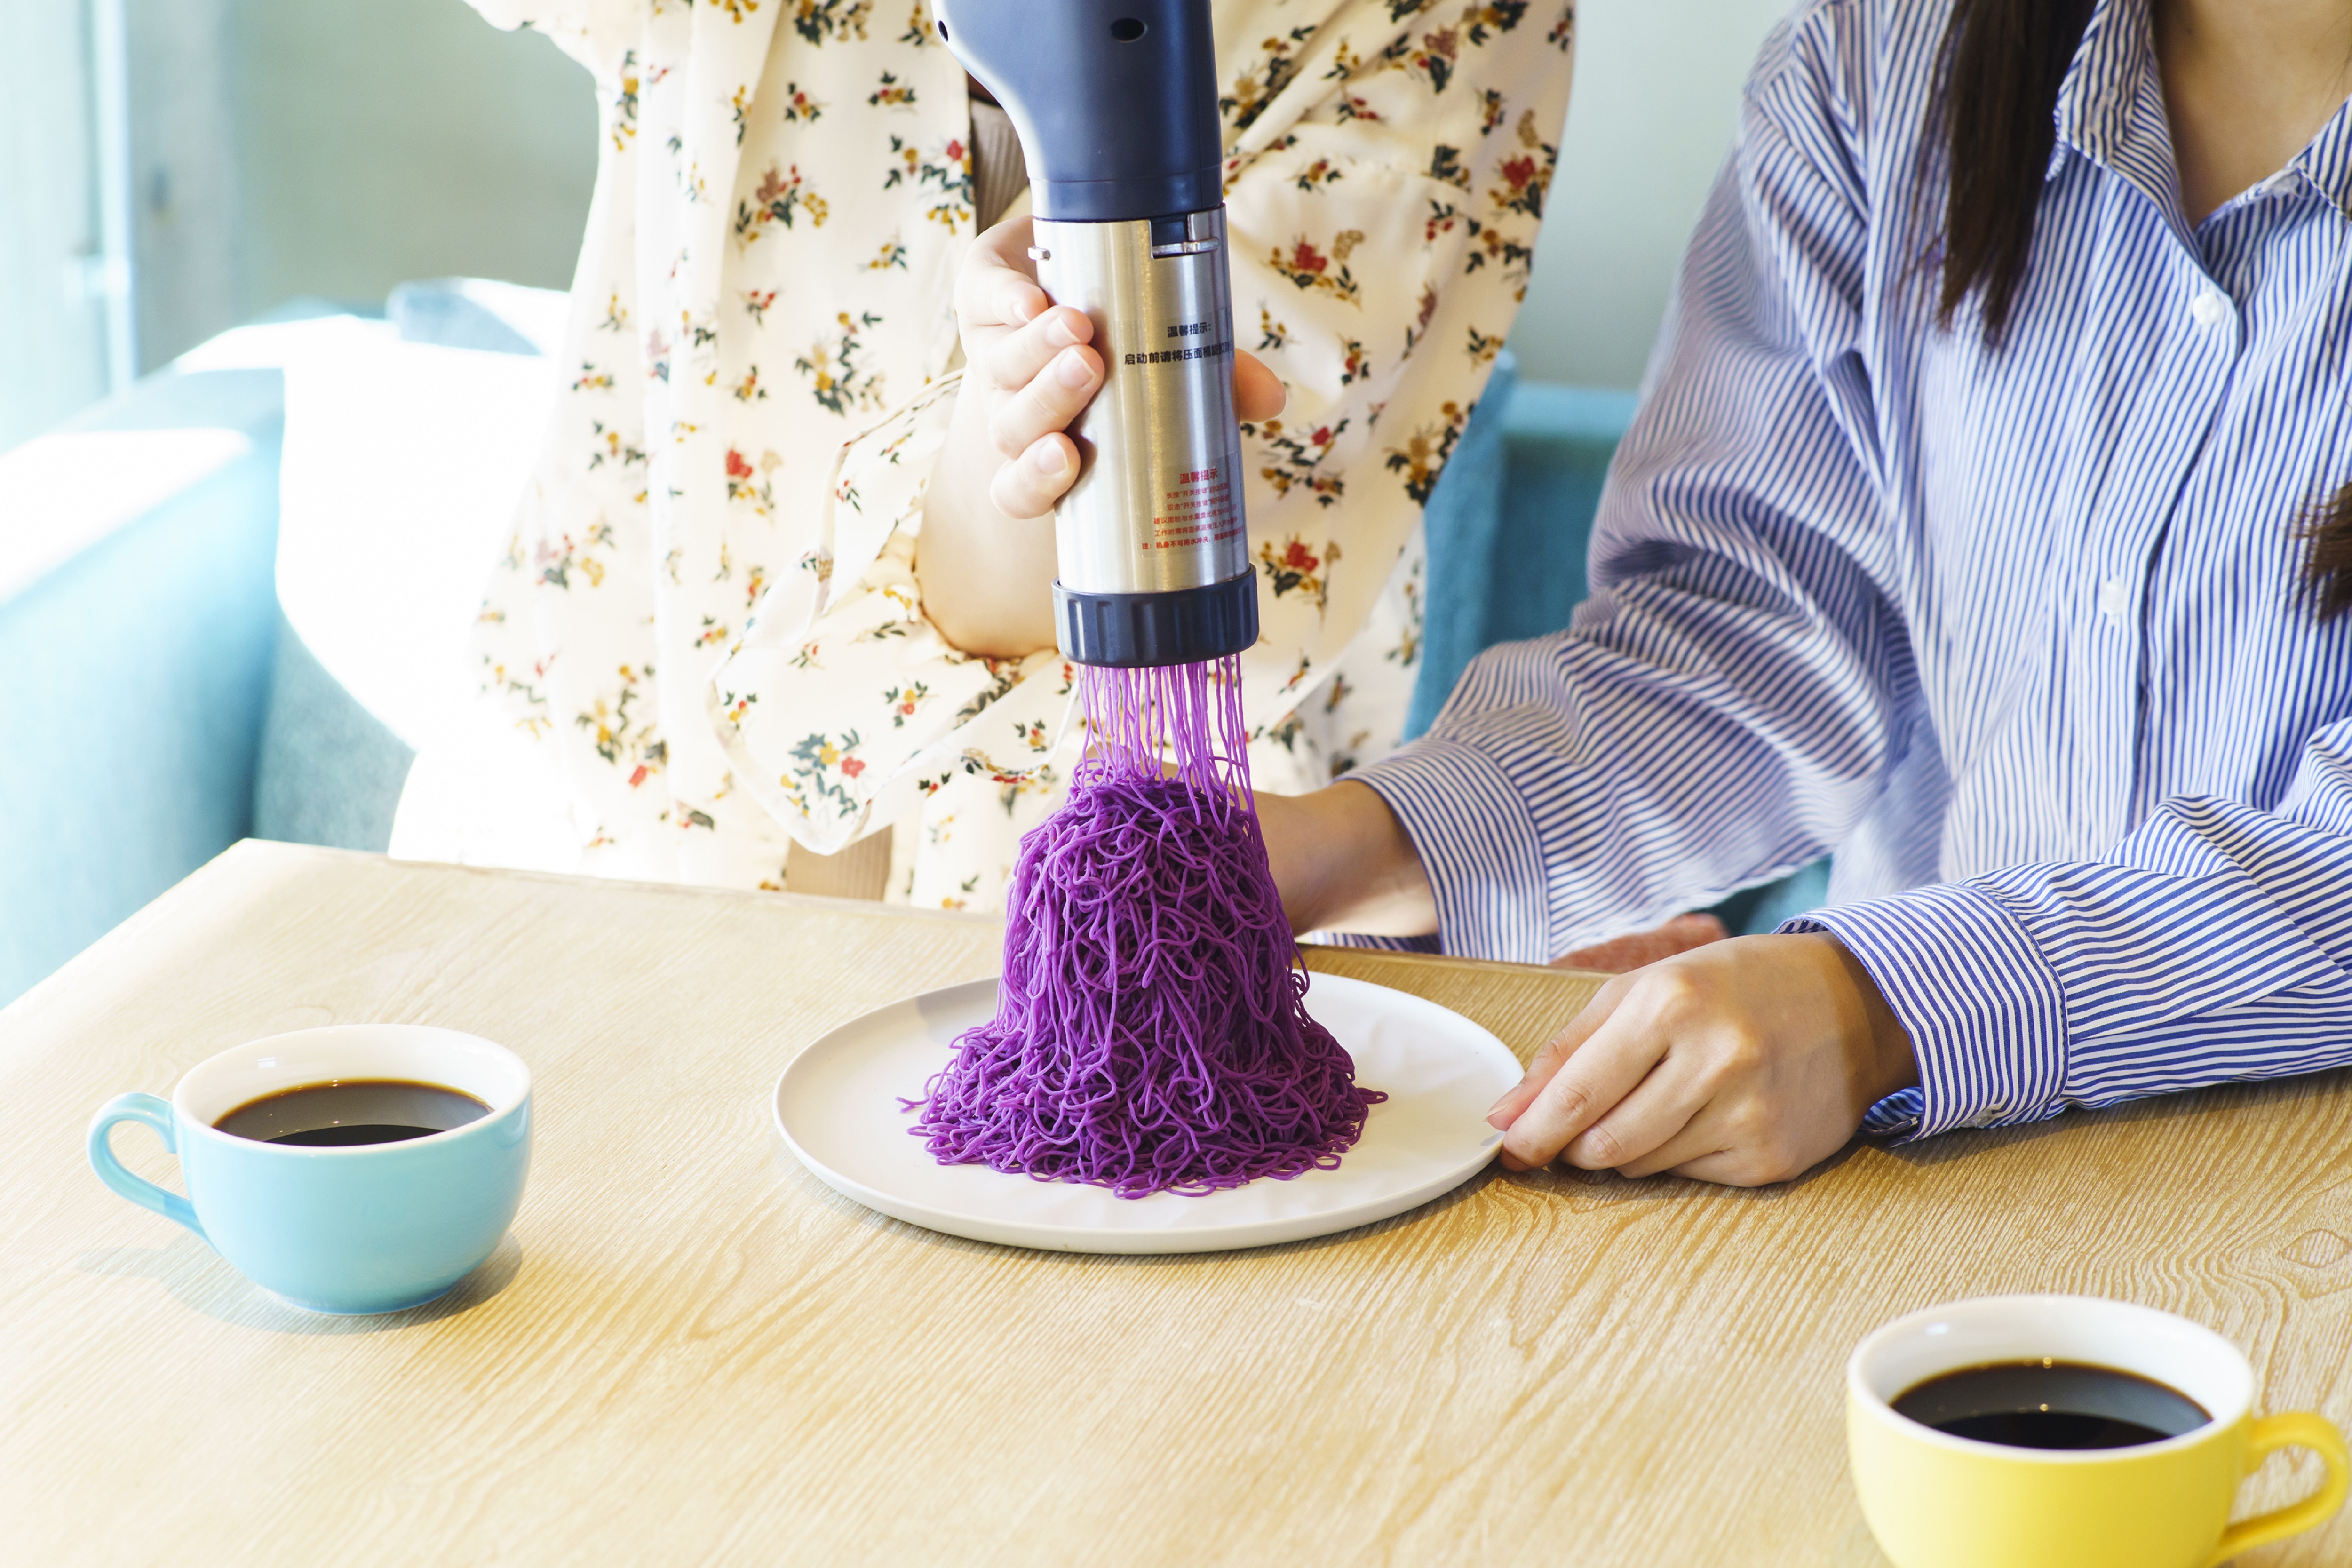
[1157, 505]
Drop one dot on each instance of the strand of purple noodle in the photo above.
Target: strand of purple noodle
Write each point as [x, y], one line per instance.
[1151, 1033]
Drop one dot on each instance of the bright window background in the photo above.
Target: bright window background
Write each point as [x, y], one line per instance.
[334, 148]
[52, 335]
[276, 149]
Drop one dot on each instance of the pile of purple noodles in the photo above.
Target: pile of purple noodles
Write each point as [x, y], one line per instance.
[1151, 1032]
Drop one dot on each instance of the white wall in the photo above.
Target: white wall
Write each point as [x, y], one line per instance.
[1656, 99]
[385, 140]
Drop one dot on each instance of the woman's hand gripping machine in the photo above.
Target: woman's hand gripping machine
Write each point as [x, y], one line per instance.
[1115, 104]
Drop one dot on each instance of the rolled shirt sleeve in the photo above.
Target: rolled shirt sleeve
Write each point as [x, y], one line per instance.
[2214, 943]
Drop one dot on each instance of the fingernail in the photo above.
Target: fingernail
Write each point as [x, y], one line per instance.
[1061, 334]
[1020, 308]
[1072, 371]
[1496, 1110]
[1049, 459]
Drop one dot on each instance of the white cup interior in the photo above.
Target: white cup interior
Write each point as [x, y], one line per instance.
[2156, 1345]
[219, 1085]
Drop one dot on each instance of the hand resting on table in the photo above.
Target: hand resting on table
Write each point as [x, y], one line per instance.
[1744, 1061]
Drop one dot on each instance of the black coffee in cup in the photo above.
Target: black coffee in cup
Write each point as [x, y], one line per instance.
[2051, 1404]
[352, 1111]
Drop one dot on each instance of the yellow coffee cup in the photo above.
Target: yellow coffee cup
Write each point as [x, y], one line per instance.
[1935, 1501]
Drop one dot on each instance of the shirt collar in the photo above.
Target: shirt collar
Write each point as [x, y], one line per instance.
[2111, 104]
[2327, 162]
[2111, 112]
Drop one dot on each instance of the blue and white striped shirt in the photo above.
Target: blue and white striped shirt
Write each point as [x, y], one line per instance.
[2018, 634]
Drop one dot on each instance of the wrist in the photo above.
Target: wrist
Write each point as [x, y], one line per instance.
[1885, 1060]
[984, 578]
[1347, 864]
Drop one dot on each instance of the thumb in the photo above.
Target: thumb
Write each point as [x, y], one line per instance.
[1258, 394]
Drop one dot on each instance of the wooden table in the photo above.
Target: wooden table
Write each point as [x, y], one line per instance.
[690, 1352]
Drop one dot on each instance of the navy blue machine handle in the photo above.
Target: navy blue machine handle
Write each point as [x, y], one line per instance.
[1116, 101]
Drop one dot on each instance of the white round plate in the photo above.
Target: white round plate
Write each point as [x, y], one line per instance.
[837, 1107]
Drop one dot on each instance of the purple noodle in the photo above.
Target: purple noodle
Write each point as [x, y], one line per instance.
[1152, 1031]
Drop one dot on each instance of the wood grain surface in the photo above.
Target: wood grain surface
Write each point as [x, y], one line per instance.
[689, 1352]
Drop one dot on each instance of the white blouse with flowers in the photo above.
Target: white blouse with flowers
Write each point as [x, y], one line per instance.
[706, 639]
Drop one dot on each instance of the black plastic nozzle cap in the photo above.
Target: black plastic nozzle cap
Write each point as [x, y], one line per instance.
[1181, 626]
[1114, 100]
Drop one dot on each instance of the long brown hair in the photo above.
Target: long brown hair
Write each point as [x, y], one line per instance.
[1991, 124]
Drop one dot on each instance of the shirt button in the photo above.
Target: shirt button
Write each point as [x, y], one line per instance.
[2282, 184]
[2209, 309]
[2114, 598]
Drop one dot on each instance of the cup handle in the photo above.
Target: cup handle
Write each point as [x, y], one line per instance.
[2303, 1429]
[157, 1114]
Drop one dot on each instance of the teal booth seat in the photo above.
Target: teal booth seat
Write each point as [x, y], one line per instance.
[159, 708]
[1511, 523]
[138, 678]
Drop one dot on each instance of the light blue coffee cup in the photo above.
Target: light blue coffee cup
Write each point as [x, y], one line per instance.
[367, 1228]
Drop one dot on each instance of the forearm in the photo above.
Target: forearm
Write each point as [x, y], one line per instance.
[1344, 863]
[1598, 781]
[980, 571]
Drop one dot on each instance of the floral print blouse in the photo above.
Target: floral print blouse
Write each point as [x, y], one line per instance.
[707, 624]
